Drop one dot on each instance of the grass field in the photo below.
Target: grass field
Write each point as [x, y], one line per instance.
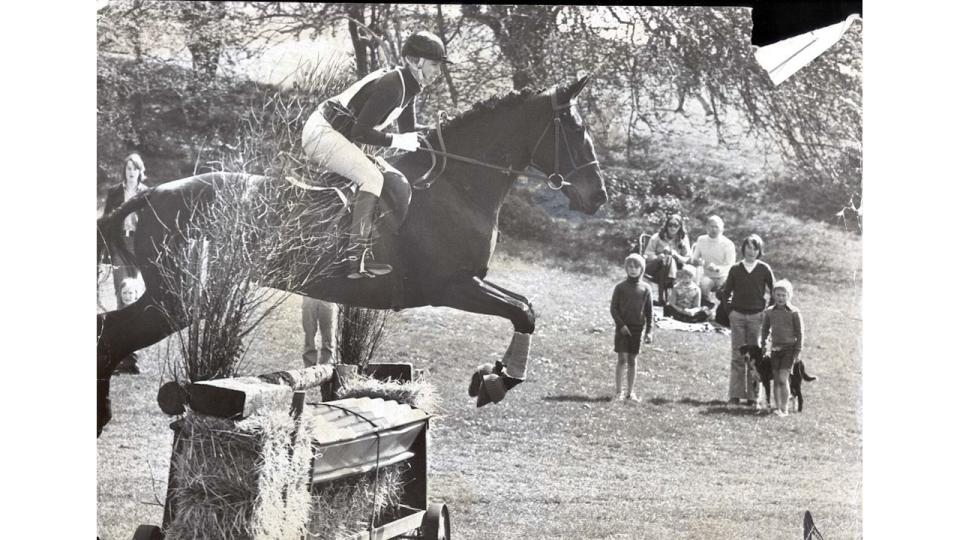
[557, 458]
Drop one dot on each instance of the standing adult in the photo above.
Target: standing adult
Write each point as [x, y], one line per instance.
[750, 283]
[132, 178]
[715, 254]
[667, 251]
[318, 316]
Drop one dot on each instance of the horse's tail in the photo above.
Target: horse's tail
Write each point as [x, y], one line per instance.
[109, 244]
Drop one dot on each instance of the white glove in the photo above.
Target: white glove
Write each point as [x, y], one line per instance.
[405, 141]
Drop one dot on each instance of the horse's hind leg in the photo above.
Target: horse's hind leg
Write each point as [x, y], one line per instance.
[120, 333]
[491, 382]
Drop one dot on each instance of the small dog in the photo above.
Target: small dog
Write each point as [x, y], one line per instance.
[758, 369]
[797, 376]
[761, 371]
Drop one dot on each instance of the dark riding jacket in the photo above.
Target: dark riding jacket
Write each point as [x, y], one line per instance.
[369, 105]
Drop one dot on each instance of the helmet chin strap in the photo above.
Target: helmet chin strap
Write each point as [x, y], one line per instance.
[418, 70]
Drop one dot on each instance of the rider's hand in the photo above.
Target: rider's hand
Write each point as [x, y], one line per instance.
[625, 331]
[648, 339]
[405, 141]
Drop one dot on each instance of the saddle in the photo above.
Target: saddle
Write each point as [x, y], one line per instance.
[394, 198]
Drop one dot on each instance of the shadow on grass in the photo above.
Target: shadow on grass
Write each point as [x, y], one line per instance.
[579, 399]
[712, 406]
[702, 403]
[731, 410]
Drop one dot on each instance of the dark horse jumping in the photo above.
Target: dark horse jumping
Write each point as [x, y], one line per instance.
[440, 252]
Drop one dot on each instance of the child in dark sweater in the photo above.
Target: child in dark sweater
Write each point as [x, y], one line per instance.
[632, 311]
[784, 325]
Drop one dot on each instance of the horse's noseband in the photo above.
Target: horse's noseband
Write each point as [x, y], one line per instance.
[556, 181]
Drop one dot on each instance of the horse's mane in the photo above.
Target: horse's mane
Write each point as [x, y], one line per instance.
[492, 103]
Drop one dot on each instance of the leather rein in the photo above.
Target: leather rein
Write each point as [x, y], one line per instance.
[555, 180]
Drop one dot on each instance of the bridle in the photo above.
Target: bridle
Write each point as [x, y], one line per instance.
[557, 132]
[554, 180]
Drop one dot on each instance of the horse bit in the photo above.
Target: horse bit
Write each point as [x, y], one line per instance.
[555, 180]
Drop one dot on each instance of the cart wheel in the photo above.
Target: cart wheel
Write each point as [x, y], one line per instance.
[148, 532]
[436, 524]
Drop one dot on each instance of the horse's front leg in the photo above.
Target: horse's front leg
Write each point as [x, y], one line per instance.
[491, 381]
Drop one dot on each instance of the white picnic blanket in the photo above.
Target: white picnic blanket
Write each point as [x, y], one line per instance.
[666, 323]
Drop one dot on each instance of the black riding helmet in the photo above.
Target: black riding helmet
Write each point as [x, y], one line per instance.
[427, 45]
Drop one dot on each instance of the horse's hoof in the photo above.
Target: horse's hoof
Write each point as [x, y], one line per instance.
[477, 379]
[510, 382]
[104, 415]
[492, 390]
[482, 397]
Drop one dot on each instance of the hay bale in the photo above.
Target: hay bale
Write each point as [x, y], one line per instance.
[342, 507]
[241, 479]
[418, 393]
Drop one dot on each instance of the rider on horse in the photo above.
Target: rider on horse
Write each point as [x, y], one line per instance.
[358, 115]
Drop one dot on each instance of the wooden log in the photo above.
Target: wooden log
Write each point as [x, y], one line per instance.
[172, 398]
[239, 397]
[301, 379]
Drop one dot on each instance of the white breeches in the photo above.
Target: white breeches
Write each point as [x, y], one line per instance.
[331, 150]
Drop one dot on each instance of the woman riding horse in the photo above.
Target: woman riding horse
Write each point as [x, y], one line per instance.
[357, 115]
[441, 253]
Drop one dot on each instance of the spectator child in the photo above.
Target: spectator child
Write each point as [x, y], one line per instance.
[632, 311]
[130, 292]
[683, 304]
[784, 325]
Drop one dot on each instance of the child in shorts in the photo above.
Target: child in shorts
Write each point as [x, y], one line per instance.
[632, 311]
[784, 325]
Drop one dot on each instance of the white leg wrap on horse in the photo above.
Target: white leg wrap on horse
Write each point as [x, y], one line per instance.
[515, 359]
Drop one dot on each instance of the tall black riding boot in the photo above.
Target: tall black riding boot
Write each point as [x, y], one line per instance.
[360, 254]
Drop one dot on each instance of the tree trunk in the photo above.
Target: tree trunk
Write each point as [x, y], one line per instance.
[355, 11]
[447, 78]
[521, 32]
[203, 20]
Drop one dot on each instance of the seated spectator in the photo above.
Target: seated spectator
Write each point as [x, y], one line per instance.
[666, 251]
[683, 303]
[715, 253]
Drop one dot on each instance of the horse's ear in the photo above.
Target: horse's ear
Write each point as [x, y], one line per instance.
[574, 89]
